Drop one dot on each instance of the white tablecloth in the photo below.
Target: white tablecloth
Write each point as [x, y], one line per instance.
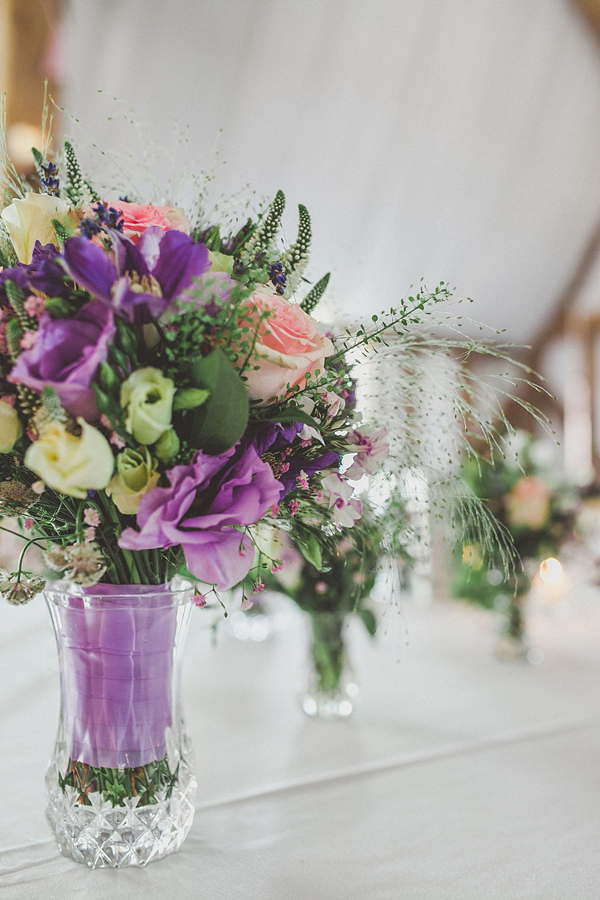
[459, 776]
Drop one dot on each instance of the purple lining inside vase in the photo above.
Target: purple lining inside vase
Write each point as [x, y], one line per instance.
[117, 645]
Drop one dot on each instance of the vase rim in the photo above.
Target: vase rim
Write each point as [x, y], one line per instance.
[177, 590]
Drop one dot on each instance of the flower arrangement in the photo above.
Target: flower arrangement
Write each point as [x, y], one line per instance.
[163, 388]
[538, 513]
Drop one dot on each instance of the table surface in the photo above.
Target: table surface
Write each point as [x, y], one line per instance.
[460, 775]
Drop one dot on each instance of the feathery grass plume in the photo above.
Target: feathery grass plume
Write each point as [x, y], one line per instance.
[417, 383]
[295, 259]
[314, 295]
[11, 183]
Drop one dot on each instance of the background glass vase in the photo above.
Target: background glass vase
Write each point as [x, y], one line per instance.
[120, 780]
[330, 690]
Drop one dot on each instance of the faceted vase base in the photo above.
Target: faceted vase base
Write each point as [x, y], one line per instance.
[103, 835]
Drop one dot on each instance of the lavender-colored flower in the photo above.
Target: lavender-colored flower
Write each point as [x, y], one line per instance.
[200, 510]
[278, 437]
[44, 273]
[371, 448]
[65, 357]
[142, 279]
[346, 509]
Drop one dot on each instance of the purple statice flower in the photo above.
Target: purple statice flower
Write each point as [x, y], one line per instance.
[44, 273]
[142, 279]
[280, 438]
[65, 357]
[200, 510]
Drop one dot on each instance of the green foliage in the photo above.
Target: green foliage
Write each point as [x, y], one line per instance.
[75, 184]
[221, 420]
[295, 259]
[146, 782]
[312, 298]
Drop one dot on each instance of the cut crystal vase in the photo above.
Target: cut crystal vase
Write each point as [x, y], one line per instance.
[331, 690]
[120, 781]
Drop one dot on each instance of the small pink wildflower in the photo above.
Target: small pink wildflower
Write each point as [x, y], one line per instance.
[302, 479]
[28, 524]
[199, 600]
[258, 587]
[306, 443]
[278, 565]
[104, 420]
[116, 440]
[34, 306]
[284, 467]
[28, 340]
[294, 507]
[274, 510]
[247, 603]
[90, 534]
[91, 517]
[320, 587]
[319, 496]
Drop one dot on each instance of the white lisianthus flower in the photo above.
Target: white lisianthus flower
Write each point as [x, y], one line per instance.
[11, 428]
[147, 397]
[371, 446]
[70, 464]
[30, 220]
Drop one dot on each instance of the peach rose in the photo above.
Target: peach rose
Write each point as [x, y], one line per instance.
[287, 347]
[529, 503]
[137, 218]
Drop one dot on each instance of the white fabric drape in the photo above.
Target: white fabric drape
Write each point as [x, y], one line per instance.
[454, 140]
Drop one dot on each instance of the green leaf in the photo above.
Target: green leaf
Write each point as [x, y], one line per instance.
[221, 421]
[294, 414]
[369, 620]
[311, 550]
[190, 398]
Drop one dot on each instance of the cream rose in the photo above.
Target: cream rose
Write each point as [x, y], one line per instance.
[30, 220]
[147, 397]
[136, 475]
[288, 346]
[70, 464]
[11, 428]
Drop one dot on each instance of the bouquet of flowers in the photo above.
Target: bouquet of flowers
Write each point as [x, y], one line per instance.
[538, 513]
[164, 389]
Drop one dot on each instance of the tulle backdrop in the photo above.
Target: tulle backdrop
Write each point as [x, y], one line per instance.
[451, 139]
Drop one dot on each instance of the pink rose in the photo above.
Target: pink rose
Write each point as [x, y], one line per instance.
[529, 502]
[137, 218]
[288, 346]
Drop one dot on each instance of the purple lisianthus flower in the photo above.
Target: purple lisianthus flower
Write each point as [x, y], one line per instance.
[199, 509]
[65, 357]
[142, 279]
[276, 437]
[44, 273]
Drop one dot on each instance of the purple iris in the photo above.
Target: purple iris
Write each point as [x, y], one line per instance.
[65, 357]
[144, 278]
[277, 437]
[198, 510]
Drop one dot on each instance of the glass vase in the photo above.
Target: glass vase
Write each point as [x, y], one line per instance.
[120, 781]
[331, 690]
